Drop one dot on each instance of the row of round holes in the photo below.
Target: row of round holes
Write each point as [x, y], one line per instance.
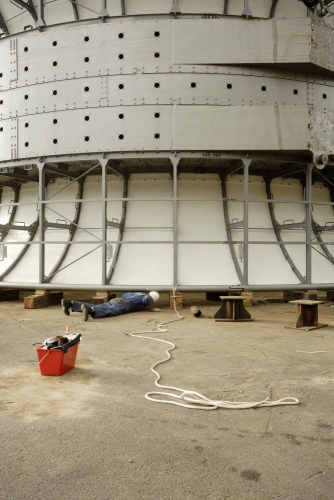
[157, 85]
[121, 137]
[120, 56]
[86, 39]
[87, 118]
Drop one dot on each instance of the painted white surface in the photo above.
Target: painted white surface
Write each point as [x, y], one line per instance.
[322, 269]
[147, 221]
[60, 11]
[266, 262]
[26, 270]
[203, 221]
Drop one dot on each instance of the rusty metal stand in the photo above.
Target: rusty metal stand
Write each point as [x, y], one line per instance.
[232, 309]
[307, 314]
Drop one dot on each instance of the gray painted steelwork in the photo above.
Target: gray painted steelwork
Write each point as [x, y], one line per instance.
[146, 121]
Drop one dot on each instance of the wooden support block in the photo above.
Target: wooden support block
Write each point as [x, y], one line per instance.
[37, 301]
[103, 297]
[177, 302]
[310, 295]
[42, 292]
[248, 298]
[9, 294]
[330, 295]
[292, 295]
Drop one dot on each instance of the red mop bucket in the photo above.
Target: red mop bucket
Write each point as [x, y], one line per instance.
[53, 362]
[58, 360]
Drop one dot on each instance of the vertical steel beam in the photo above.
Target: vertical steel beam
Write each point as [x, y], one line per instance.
[308, 200]
[246, 12]
[104, 12]
[123, 7]
[175, 162]
[246, 163]
[75, 9]
[41, 208]
[40, 15]
[175, 8]
[225, 11]
[228, 229]
[104, 224]
[273, 8]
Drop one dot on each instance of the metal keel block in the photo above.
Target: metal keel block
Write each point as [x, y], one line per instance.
[307, 314]
[232, 309]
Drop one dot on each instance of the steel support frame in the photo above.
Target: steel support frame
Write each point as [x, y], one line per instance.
[75, 10]
[105, 283]
[175, 162]
[104, 196]
[29, 7]
[72, 229]
[3, 25]
[41, 210]
[308, 200]
[277, 229]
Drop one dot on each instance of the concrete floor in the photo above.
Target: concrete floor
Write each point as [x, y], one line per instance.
[91, 434]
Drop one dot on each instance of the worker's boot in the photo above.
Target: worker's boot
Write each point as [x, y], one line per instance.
[66, 306]
[86, 311]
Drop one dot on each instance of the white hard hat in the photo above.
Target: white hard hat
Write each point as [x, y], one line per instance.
[155, 296]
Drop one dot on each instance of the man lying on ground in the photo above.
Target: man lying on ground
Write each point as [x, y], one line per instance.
[129, 302]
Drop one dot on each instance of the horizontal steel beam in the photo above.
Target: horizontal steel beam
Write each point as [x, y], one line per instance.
[205, 155]
[166, 288]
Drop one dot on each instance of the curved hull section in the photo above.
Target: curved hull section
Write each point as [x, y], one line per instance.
[154, 145]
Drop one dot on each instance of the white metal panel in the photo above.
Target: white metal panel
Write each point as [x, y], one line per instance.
[5, 66]
[61, 213]
[56, 12]
[27, 269]
[105, 131]
[290, 8]
[203, 221]
[147, 221]
[239, 41]
[289, 213]
[138, 89]
[80, 267]
[266, 261]
[6, 135]
[7, 196]
[261, 8]
[322, 269]
[107, 51]
[241, 127]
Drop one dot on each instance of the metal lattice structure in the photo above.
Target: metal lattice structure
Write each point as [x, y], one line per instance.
[151, 144]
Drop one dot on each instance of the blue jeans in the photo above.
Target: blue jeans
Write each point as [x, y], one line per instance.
[114, 307]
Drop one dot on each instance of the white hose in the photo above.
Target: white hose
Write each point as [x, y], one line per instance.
[192, 399]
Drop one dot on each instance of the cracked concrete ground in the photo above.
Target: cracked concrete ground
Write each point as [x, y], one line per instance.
[91, 434]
